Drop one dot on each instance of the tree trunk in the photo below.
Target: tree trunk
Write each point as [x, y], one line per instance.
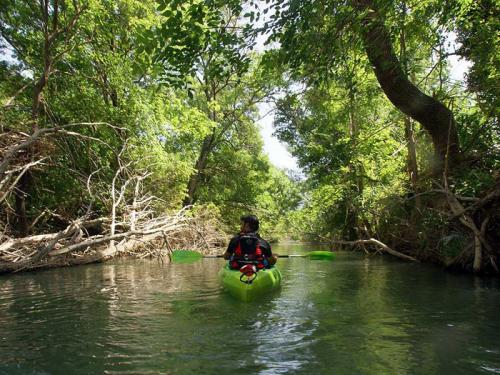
[351, 209]
[436, 119]
[24, 186]
[411, 160]
[200, 166]
[37, 99]
[206, 148]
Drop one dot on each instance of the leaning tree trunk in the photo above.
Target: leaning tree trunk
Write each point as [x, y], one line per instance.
[436, 119]
[206, 149]
[201, 164]
[351, 222]
[411, 158]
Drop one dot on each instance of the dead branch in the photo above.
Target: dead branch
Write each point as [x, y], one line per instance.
[12, 151]
[15, 243]
[381, 245]
[13, 184]
[131, 223]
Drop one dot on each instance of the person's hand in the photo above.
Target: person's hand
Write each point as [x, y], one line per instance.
[272, 259]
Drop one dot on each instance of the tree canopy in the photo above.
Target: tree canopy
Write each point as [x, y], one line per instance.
[390, 144]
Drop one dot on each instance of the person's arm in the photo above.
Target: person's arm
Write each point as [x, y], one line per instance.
[268, 253]
[231, 247]
[272, 260]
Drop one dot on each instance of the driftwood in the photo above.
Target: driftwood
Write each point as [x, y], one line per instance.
[380, 245]
[132, 227]
[153, 237]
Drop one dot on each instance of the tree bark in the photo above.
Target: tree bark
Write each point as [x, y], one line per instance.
[351, 221]
[436, 118]
[411, 160]
[200, 166]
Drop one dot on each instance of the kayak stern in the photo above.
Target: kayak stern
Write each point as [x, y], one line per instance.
[265, 281]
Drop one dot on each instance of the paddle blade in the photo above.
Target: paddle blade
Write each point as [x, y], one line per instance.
[321, 255]
[185, 256]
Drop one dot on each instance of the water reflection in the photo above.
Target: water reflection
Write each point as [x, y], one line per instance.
[354, 315]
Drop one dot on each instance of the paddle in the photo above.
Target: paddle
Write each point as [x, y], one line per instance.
[187, 256]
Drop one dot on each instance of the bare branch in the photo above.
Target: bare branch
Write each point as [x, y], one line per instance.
[8, 191]
[11, 152]
[383, 246]
[9, 101]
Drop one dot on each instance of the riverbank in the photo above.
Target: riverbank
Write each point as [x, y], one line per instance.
[77, 244]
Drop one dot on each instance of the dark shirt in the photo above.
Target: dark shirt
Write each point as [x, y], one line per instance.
[248, 244]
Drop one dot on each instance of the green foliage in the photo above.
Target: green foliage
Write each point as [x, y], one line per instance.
[190, 30]
[113, 71]
[127, 63]
[477, 24]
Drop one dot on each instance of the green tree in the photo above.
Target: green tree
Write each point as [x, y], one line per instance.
[315, 37]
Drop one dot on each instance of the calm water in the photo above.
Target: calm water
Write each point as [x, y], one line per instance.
[355, 315]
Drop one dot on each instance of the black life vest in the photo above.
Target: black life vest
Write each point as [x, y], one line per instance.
[250, 253]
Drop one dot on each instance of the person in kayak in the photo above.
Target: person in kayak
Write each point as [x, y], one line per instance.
[248, 247]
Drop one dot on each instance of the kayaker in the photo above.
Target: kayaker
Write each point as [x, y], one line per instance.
[248, 246]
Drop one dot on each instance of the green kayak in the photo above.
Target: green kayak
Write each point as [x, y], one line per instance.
[264, 282]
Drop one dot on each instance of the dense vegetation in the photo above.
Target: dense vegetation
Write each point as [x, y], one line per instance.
[104, 99]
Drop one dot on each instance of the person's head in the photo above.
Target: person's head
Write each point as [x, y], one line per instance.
[249, 223]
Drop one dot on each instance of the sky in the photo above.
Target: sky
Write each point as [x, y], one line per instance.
[276, 150]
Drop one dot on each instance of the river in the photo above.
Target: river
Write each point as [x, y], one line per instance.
[355, 315]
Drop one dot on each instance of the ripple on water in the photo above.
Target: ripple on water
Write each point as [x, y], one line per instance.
[362, 316]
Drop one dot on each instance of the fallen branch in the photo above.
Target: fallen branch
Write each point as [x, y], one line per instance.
[381, 245]
[118, 236]
[14, 243]
[38, 255]
[130, 227]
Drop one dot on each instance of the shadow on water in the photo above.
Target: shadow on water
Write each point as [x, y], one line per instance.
[355, 315]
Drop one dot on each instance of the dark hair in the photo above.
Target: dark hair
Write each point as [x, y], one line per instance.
[252, 221]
